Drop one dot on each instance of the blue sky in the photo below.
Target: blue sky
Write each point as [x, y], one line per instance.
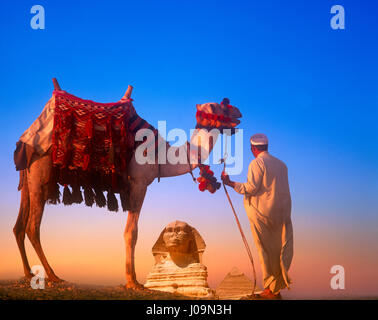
[311, 89]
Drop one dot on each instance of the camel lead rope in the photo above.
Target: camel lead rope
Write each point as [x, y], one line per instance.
[190, 166]
[239, 226]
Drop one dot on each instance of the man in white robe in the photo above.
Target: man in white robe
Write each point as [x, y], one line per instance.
[267, 202]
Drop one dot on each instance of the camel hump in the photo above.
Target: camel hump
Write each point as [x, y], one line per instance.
[56, 84]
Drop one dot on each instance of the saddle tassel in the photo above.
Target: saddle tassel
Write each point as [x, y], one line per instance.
[67, 196]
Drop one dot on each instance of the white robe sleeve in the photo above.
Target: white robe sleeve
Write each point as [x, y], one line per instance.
[255, 176]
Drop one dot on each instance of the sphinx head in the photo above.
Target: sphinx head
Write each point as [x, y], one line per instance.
[180, 243]
[177, 237]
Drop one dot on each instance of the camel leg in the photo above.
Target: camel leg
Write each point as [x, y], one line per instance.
[37, 205]
[20, 227]
[131, 236]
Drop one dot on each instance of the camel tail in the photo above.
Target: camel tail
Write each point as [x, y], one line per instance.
[22, 179]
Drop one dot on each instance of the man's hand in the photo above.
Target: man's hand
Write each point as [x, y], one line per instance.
[226, 179]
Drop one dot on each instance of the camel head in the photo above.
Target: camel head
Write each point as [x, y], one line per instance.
[214, 115]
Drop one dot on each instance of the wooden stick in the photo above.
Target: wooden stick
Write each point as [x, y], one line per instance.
[56, 84]
[241, 232]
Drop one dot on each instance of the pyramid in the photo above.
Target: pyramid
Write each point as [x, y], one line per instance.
[235, 285]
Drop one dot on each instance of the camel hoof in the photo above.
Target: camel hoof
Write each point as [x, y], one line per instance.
[55, 279]
[135, 286]
[28, 276]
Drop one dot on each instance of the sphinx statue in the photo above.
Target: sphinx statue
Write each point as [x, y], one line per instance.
[178, 262]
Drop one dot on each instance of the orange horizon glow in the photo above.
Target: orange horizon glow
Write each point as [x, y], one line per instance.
[91, 251]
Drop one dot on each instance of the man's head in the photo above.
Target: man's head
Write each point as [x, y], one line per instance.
[259, 143]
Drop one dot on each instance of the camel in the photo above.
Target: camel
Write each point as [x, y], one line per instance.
[34, 187]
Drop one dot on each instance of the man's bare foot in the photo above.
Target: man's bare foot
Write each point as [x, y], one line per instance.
[267, 294]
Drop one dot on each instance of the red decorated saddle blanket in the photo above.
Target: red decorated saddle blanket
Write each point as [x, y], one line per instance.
[91, 136]
[90, 144]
